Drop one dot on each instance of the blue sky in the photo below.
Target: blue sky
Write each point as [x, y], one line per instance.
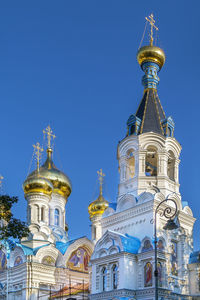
[73, 64]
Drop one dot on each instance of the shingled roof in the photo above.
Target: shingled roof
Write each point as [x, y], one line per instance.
[151, 113]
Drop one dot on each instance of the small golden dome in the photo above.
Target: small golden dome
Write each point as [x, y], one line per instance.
[98, 206]
[61, 183]
[151, 53]
[37, 184]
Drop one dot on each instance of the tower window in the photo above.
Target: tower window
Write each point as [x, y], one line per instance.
[130, 165]
[132, 129]
[56, 217]
[151, 162]
[42, 213]
[171, 165]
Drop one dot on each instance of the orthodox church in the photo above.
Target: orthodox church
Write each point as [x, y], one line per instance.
[43, 265]
[124, 259]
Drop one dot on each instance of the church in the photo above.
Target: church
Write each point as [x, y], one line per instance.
[47, 264]
[123, 232]
[132, 253]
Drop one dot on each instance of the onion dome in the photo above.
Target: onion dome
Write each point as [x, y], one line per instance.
[151, 54]
[48, 171]
[98, 206]
[37, 184]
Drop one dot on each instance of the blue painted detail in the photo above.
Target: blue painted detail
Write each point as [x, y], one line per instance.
[30, 251]
[62, 247]
[10, 245]
[184, 203]
[131, 244]
[168, 126]
[150, 79]
[113, 205]
[194, 257]
[133, 124]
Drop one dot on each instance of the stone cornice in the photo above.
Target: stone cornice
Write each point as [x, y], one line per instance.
[128, 213]
[112, 257]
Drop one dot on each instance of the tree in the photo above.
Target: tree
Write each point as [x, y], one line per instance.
[10, 226]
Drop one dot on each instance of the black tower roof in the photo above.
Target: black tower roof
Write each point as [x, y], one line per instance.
[151, 113]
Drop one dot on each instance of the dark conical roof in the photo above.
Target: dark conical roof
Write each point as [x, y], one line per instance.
[151, 113]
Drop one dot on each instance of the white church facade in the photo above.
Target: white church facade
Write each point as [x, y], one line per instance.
[123, 261]
[46, 264]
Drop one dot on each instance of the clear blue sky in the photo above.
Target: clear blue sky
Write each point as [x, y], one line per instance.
[73, 64]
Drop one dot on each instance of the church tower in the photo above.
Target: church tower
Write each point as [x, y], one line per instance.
[149, 155]
[46, 190]
[96, 210]
[123, 261]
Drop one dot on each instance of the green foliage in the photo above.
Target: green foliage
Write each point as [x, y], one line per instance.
[9, 226]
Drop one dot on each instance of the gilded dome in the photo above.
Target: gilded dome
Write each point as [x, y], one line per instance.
[151, 53]
[61, 183]
[37, 184]
[98, 206]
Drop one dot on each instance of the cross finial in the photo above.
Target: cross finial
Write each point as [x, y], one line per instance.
[49, 133]
[152, 24]
[38, 153]
[100, 177]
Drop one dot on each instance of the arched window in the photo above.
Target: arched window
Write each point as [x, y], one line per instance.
[151, 162]
[130, 165]
[104, 278]
[42, 213]
[114, 276]
[148, 274]
[171, 165]
[147, 246]
[37, 215]
[56, 217]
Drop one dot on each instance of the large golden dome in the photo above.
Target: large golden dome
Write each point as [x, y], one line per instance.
[98, 206]
[37, 184]
[61, 183]
[152, 54]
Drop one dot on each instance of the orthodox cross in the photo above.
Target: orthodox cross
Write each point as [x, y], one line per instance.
[100, 177]
[50, 135]
[152, 24]
[38, 152]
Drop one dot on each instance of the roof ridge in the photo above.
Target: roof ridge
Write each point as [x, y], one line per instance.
[145, 108]
[154, 98]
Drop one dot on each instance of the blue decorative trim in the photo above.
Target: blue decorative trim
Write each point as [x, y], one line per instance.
[133, 124]
[62, 247]
[150, 79]
[131, 244]
[168, 126]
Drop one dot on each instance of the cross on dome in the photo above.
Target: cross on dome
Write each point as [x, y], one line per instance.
[152, 24]
[38, 153]
[100, 178]
[49, 134]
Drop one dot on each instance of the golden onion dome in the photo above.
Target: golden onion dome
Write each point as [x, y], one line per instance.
[151, 53]
[61, 183]
[37, 184]
[98, 206]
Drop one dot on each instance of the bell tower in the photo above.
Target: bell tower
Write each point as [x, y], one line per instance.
[149, 154]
